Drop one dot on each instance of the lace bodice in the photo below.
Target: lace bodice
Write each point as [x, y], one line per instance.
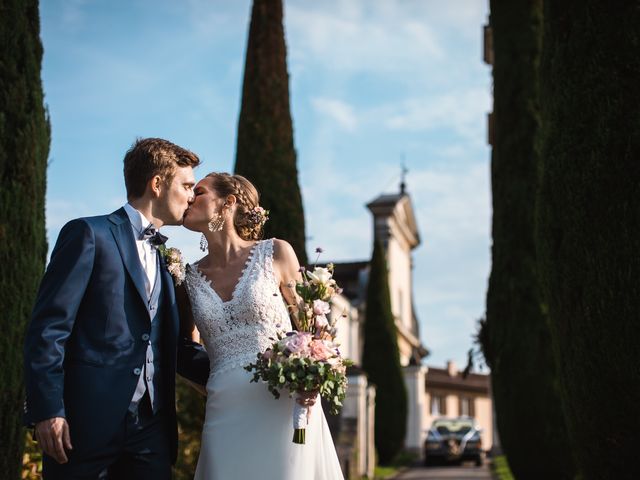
[236, 330]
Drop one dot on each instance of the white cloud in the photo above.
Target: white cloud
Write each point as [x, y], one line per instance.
[72, 13]
[212, 23]
[359, 36]
[338, 111]
[454, 203]
[451, 337]
[461, 110]
[453, 207]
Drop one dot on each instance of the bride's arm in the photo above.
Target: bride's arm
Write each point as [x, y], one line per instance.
[193, 361]
[187, 324]
[287, 270]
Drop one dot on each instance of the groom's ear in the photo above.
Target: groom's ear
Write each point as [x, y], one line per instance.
[156, 184]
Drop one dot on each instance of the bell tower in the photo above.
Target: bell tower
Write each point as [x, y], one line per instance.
[394, 225]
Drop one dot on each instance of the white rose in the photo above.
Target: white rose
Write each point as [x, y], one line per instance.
[320, 276]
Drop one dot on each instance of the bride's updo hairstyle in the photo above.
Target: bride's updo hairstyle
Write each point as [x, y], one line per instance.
[249, 217]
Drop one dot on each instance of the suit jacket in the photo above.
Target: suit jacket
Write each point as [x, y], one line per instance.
[84, 345]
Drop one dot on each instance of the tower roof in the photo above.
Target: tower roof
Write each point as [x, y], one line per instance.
[398, 209]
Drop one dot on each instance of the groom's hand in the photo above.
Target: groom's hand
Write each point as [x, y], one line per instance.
[53, 436]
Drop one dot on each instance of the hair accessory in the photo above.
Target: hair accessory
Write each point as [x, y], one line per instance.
[258, 216]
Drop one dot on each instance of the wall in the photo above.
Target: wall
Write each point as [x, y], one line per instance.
[348, 328]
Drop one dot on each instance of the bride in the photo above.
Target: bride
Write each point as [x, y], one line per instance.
[237, 295]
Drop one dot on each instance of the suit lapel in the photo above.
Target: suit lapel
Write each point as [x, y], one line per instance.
[126, 245]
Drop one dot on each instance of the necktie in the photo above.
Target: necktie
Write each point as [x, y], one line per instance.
[154, 236]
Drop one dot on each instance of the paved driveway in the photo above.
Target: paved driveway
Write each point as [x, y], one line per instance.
[464, 472]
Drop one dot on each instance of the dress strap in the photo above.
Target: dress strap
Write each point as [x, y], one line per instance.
[267, 259]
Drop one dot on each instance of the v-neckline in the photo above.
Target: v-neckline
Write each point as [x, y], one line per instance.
[247, 264]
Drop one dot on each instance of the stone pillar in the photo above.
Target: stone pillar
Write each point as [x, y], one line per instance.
[414, 379]
[355, 404]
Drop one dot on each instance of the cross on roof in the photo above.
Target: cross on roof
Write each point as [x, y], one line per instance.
[403, 175]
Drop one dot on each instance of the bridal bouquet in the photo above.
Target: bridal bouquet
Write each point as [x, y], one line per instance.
[307, 360]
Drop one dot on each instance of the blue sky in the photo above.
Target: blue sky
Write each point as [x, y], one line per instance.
[371, 81]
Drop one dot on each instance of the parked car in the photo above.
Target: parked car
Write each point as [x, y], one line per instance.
[454, 440]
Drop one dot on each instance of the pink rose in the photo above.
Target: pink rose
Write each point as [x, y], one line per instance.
[319, 350]
[321, 307]
[268, 354]
[296, 343]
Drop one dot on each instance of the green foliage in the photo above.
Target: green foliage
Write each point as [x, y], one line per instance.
[381, 361]
[589, 225]
[383, 473]
[265, 152]
[24, 147]
[190, 406]
[500, 468]
[280, 372]
[515, 335]
[405, 459]
[31, 459]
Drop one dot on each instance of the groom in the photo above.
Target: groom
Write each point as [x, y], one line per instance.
[103, 344]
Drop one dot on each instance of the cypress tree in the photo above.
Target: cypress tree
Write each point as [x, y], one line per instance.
[24, 147]
[519, 353]
[381, 361]
[589, 225]
[265, 153]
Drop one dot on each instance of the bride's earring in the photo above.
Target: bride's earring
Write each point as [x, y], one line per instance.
[217, 222]
[203, 243]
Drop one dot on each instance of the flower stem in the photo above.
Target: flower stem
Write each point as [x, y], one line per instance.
[299, 436]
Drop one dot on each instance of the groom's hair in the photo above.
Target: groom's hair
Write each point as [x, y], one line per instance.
[149, 157]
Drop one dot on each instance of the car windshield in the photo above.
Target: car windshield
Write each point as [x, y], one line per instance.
[452, 427]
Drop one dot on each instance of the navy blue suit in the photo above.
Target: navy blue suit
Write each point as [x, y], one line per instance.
[85, 344]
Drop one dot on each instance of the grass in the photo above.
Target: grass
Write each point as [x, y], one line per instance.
[500, 468]
[399, 463]
[381, 473]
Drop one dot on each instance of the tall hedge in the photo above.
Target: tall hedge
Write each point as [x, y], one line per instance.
[24, 148]
[528, 408]
[381, 361]
[190, 408]
[265, 152]
[589, 224]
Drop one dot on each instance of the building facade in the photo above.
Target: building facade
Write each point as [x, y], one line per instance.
[431, 391]
[450, 394]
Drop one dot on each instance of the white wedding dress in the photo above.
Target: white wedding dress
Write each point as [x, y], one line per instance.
[247, 433]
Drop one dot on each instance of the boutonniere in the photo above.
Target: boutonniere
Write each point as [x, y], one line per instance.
[173, 258]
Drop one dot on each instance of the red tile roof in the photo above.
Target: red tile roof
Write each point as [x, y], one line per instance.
[439, 378]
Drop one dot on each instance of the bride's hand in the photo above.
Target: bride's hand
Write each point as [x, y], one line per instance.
[307, 399]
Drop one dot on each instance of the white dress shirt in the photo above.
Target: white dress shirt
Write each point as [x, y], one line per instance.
[146, 252]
